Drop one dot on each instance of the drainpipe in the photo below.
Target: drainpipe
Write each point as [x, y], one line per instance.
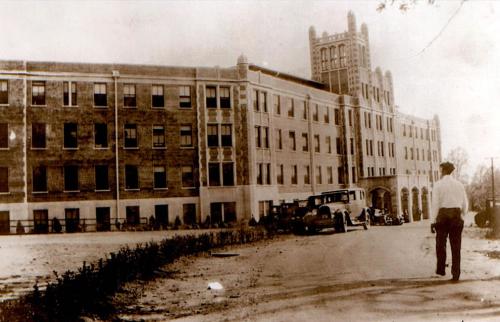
[116, 75]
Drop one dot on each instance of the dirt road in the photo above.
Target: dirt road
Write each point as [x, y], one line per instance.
[383, 274]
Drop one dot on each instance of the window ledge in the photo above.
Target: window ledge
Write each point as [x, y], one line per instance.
[34, 105]
[97, 148]
[100, 107]
[70, 149]
[159, 147]
[4, 149]
[38, 149]
[187, 147]
[4, 104]
[188, 188]
[132, 189]
[39, 192]
[160, 189]
[103, 190]
[4, 193]
[157, 107]
[71, 106]
[71, 191]
[130, 107]
[131, 148]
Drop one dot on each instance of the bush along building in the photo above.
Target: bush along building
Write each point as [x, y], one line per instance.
[99, 146]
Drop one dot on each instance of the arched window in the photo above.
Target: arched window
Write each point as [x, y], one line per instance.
[324, 59]
[333, 57]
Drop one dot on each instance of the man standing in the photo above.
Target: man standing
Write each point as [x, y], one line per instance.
[449, 205]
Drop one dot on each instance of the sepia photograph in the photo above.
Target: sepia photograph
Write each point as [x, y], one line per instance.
[249, 160]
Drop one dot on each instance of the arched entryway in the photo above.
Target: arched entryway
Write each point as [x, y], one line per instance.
[381, 198]
[415, 210]
[425, 203]
[404, 201]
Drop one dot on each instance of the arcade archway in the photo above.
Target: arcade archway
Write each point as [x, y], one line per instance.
[415, 210]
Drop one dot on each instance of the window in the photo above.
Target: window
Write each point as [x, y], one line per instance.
[129, 99]
[294, 174]
[100, 135]
[70, 135]
[341, 176]
[291, 136]
[189, 213]
[291, 107]
[255, 100]
[158, 136]
[130, 134]
[305, 114]
[411, 154]
[186, 136]
[226, 135]
[38, 93]
[352, 145]
[38, 136]
[307, 177]
[263, 101]
[316, 143]
[329, 173]
[342, 54]
[315, 113]
[212, 135]
[213, 174]
[333, 63]
[71, 178]
[131, 177]
[4, 179]
[103, 218]
[329, 144]
[277, 105]
[40, 179]
[133, 215]
[257, 137]
[350, 117]
[279, 140]
[225, 98]
[69, 94]
[41, 221]
[160, 177]
[267, 168]
[406, 153]
[4, 92]
[101, 177]
[228, 174]
[100, 95]
[337, 116]
[327, 114]
[324, 58]
[339, 145]
[185, 96]
[319, 177]
[72, 219]
[187, 177]
[157, 97]
[265, 137]
[4, 136]
[211, 97]
[279, 174]
[260, 170]
[305, 139]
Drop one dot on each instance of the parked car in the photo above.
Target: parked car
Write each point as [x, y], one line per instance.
[378, 217]
[337, 209]
[396, 219]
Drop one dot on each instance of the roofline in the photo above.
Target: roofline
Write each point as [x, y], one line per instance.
[288, 77]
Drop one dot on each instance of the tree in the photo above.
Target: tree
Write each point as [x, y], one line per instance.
[480, 187]
[459, 157]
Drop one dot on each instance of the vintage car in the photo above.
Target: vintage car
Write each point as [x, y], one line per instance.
[337, 209]
[485, 217]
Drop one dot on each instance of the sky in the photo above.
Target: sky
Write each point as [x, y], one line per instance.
[451, 72]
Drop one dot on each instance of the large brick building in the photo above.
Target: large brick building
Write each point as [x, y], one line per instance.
[91, 144]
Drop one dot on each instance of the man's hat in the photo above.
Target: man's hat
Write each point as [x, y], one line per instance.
[447, 166]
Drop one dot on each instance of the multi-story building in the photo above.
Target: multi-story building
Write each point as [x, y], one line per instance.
[95, 144]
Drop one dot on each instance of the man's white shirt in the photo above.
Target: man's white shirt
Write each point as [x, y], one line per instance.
[448, 193]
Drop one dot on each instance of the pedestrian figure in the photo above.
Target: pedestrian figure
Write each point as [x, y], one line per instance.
[449, 205]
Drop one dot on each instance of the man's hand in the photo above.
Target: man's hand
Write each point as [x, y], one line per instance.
[433, 228]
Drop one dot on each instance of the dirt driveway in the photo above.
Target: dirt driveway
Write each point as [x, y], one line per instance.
[383, 274]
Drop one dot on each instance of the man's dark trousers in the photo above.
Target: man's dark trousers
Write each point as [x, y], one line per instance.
[449, 223]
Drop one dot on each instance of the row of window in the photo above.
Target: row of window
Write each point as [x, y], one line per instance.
[71, 176]
[264, 174]
[370, 171]
[333, 57]
[414, 131]
[260, 104]
[225, 139]
[380, 148]
[379, 123]
[70, 97]
[365, 91]
[262, 141]
[414, 154]
[130, 135]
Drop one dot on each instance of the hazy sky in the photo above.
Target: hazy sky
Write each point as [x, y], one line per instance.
[456, 77]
